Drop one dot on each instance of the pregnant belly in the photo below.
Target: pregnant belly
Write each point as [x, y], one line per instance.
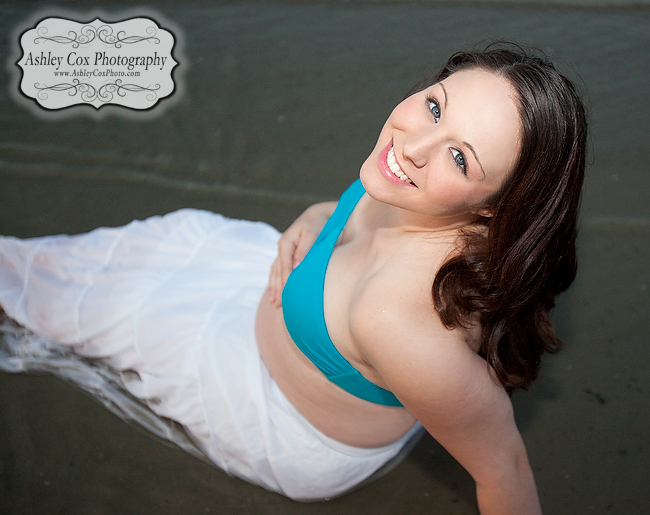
[333, 411]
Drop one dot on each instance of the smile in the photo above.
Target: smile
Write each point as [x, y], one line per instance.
[394, 167]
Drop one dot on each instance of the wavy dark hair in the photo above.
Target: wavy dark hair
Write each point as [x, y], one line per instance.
[508, 278]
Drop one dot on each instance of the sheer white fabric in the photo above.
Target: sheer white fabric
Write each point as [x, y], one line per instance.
[169, 304]
[23, 351]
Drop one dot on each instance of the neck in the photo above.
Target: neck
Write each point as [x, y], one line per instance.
[391, 217]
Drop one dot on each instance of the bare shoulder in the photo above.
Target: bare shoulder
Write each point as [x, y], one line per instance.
[433, 371]
[394, 321]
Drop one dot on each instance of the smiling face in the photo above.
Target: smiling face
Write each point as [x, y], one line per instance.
[445, 150]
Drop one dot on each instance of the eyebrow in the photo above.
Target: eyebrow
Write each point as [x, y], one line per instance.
[468, 145]
[445, 92]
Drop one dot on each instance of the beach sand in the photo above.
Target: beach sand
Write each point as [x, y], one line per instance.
[280, 106]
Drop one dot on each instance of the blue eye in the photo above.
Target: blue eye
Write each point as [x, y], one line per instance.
[434, 107]
[459, 160]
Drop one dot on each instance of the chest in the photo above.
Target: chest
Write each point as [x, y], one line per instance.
[351, 267]
[369, 264]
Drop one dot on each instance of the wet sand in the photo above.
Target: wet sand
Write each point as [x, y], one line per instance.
[281, 104]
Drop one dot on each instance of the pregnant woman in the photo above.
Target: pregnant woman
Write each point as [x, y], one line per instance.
[419, 300]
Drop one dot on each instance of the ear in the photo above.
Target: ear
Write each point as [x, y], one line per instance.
[485, 211]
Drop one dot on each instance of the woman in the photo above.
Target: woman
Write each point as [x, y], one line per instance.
[423, 299]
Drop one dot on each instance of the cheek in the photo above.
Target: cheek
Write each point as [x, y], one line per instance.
[455, 194]
[457, 197]
[446, 191]
[406, 111]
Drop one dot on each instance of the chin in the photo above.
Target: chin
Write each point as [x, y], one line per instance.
[371, 179]
[376, 187]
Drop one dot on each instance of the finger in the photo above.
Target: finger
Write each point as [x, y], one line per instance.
[302, 248]
[275, 286]
[286, 254]
[271, 281]
[282, 264]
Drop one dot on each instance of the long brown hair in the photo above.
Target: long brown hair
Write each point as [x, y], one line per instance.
[508, 279]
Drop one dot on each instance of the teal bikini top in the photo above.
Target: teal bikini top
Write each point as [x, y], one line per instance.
[302, 304]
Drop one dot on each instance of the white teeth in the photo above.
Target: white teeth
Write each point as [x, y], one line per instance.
[394, 167]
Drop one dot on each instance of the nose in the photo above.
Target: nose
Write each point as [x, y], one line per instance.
[418, 145]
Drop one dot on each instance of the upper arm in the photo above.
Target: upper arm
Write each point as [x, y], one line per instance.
[442, 382]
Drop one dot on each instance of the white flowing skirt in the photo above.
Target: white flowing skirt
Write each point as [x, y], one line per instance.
[169, 304]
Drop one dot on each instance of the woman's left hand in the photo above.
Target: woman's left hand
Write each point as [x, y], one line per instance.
[294, 244]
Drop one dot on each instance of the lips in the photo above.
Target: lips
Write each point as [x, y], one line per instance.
[394, 167]
[391, 169]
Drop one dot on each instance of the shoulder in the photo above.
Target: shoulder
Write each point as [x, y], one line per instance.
[438, 378]
[394, 321]
[431, 369]
[393, 312]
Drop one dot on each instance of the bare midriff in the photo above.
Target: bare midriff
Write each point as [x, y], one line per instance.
[333, 411]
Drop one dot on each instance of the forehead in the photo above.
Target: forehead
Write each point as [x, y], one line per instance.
[483, 107]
